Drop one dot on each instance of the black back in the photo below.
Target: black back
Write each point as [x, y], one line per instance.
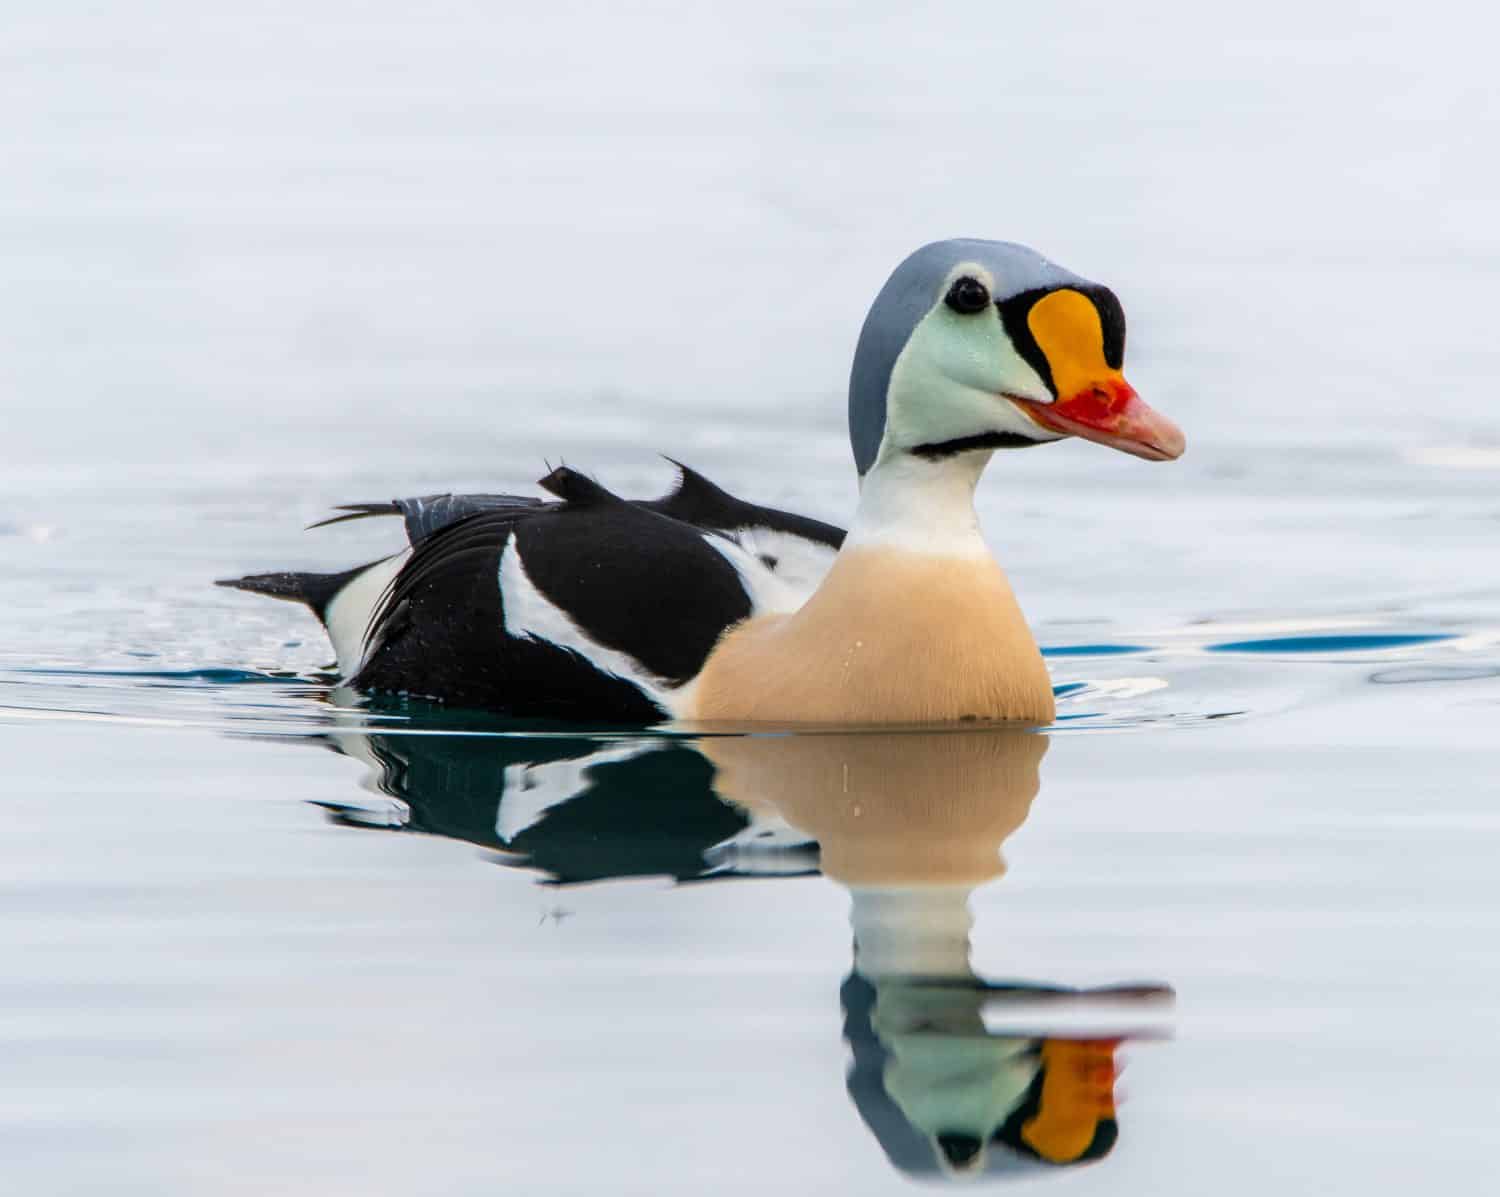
[425, 514]
[695, 500]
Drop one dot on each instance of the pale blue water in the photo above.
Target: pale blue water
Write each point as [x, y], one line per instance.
[255, 941]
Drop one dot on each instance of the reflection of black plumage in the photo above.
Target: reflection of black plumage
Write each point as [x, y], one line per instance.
[651, 814]
[654, 814]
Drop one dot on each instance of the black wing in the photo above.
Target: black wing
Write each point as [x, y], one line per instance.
[632, 579]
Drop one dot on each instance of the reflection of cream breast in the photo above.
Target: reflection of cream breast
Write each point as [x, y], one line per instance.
[903, 808]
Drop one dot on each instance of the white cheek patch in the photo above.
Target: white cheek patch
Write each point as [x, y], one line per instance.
[529, 614]
[347, 617]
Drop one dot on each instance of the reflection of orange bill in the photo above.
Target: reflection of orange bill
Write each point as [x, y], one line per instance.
[1078, 1093]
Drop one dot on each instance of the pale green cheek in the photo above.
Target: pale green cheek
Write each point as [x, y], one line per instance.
[944, 384]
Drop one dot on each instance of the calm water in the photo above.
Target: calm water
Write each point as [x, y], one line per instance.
[1227, 927]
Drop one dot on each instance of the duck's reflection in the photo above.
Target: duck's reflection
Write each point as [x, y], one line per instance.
[954, 1075]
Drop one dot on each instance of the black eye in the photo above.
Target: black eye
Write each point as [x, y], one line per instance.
[967, 295]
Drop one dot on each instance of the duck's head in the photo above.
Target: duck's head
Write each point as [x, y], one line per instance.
[982, 345]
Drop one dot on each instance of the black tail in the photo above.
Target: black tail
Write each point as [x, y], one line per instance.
[314, 590]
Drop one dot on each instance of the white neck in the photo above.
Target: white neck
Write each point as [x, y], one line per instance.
[920, 506]
[911, 930]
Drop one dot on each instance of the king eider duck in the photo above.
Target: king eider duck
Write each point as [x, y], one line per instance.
[703, 607]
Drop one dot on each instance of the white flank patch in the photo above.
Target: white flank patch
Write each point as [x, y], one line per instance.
[348, 615]
[531, 614]
[531, 790]
[769, 593]
[801, 564]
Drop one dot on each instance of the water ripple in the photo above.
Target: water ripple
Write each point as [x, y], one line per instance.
[1328, 644]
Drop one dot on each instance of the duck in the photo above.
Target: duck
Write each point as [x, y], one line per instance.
[703, 608]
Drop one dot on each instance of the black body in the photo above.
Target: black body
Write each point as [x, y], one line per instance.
[636, 577]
